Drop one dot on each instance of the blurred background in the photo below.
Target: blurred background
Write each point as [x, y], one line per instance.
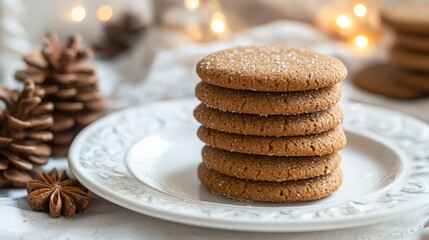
[146, 50]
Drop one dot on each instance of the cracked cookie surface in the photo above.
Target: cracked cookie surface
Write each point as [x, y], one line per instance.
[265, 191]
[267, 103]
[308, 145]
[273, 68]
[268, 168]
[274, 125]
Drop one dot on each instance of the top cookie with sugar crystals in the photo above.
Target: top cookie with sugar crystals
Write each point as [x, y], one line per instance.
[274, 68]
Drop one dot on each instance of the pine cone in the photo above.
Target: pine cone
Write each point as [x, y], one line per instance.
[119, 36]
[23, 133]
[69, 84]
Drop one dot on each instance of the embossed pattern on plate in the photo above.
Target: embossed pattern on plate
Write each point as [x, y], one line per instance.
[386, 165]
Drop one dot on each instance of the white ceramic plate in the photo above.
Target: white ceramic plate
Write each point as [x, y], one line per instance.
[145, 159]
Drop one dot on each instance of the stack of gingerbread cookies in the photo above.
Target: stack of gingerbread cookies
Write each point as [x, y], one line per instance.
[406, 74]
[410, 54]
[270, 122]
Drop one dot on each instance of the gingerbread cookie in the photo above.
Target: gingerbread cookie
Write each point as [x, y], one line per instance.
[383, 79]
[275, 125]
[268, 168]
[266, 191]
[408, 17]
[266, 103]
[409, 59]
[271, 68]
[416, 80]
[309, 145]
[414, 42]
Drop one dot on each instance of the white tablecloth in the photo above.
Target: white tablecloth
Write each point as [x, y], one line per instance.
[172, 74]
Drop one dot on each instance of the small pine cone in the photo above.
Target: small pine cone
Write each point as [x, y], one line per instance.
[119, 36]
[24, 131]
[69, 83]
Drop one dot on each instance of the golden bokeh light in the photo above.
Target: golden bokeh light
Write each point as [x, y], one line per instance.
[104, 13]
[191, 4]
[361, 41]
[360, 10]
[218, 22]
[343, 21]
[78, 14]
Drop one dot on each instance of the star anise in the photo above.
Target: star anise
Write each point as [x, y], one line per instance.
[57, 195]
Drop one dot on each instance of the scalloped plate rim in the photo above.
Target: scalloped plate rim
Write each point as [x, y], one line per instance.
[239, 224]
